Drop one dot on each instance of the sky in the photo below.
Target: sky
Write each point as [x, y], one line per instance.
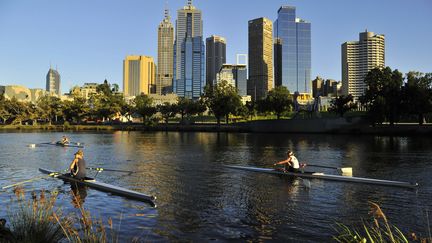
[87, 40]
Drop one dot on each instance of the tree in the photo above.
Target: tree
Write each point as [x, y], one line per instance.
[278, 100]
[417, 95]
[342, 104]
[167, 110]
[144, 106]
[383, 94]
[104, 88]
[75, 109]
[222, 99]
[50, 107]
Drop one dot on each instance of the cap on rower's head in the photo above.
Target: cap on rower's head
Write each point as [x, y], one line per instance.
[289, 152]
[79, 152]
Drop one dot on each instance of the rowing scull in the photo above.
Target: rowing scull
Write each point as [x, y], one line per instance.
[328, 177]
[104, 187]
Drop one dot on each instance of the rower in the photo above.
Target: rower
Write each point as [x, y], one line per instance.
[291, 163]
[78, 166]
[65, 140]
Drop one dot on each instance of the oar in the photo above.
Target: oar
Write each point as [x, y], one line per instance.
[344, 170]
[113, 170]
[33, 179]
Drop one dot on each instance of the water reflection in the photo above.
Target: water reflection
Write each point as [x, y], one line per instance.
[78, 194]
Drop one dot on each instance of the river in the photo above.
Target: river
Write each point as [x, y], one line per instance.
[198, 199]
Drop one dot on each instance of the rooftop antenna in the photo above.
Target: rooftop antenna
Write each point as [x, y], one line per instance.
[167, 16]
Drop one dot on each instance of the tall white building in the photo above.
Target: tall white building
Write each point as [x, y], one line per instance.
[358, 58]
[189, 53]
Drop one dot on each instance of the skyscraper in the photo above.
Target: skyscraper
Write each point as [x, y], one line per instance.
[139, 75]
[358, 58]
[189, 53]
[164, 77]
[236, 75]
[53, 82]
[294, 35]
[260, 58]
[216, 56]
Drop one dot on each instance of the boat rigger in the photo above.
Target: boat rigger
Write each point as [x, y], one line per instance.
[327, 177]
[103, 187]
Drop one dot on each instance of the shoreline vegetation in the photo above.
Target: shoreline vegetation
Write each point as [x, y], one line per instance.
[353, 125]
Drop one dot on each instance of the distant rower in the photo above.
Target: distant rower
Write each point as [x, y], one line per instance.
[64, 140]
[291, 163]
[78, 165]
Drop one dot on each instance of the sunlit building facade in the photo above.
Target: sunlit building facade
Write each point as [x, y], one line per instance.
[165, 65]
[260, 58]
[358, 58]
[189, 53]
[139, 75]
[293, 60]
[236, 75]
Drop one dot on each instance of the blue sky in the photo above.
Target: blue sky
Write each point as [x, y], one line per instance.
[88, 39]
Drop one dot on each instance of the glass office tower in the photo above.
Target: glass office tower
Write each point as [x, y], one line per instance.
[294, 38]
[189, 64]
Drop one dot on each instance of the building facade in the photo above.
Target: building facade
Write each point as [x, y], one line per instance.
[53, 82]
[189, 53]
[165, 65]
[358, 58]
[139, 75]
[236, 75]
[260, 58]
[22, 93]
[293, 66]
[215, 57]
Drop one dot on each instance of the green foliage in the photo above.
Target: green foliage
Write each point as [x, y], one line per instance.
[222, 99]
[417, 95]
[383, 95]
[75, 110]
[168, 111]
[187, 107]
[278, 100]
[50, 107]
[342, 104]
[144, 106]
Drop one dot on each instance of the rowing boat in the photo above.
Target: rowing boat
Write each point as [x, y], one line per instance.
[71, 145]
[328, 177]
[90, 182]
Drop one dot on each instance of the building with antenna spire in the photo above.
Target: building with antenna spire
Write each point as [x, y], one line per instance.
[164, 78]
[189, 53]
[53, 82]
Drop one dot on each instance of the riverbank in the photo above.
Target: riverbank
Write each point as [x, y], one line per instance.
[312, 125]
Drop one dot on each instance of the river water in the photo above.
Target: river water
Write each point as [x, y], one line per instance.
[200, 200]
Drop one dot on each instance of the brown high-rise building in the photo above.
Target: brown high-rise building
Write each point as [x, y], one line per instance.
[260, 58]
[216, 57]
[164, 76]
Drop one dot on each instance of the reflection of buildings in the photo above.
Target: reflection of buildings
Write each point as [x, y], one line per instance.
[165, 56]
[53, 82]
[358, 58]
[293, 53]
[189, 53]
[260, 58]
[139, 75]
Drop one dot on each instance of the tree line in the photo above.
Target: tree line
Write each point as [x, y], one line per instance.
[391, 97]
[221, 100]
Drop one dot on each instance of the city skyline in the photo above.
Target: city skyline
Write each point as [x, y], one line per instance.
[91, 47]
